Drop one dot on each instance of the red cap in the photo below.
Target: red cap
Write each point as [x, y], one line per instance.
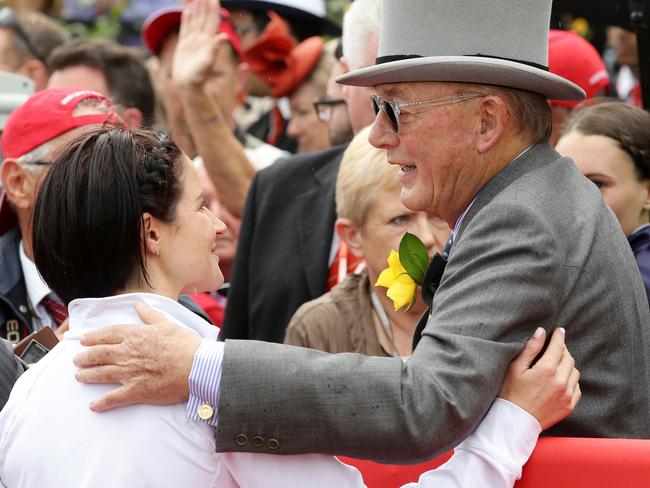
[45, 115]
[163, 21]
[574, 58]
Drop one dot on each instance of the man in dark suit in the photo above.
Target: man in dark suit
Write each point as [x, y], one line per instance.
[286, 241]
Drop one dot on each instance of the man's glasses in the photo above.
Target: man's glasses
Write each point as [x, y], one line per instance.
[8, 20]
[392, 109]
[37, 163]
[324, 107]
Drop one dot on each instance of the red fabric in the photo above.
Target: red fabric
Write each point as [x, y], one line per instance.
[57, 311]
[46, 115]
[352, 263]
[557, 462]
[574, 58]
[377, 475]
[163, 21]
[211, 306]
[277, 60]
[635, 97]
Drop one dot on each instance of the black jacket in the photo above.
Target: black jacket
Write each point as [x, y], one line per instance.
[284, 245]
[15, 313]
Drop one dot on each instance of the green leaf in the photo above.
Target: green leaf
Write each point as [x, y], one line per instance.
[410, 306]
[414, 257]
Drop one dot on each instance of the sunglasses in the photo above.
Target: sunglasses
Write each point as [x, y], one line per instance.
[392, 109]
[8, 20]
[324, 106]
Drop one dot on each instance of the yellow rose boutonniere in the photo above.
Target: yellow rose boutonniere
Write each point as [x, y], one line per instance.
[405, 271]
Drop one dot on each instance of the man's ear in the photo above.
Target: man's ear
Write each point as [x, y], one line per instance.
[151, 234]
[19, 184]
[132, 118]
[37, 71]
[349, 234]
[492, 121]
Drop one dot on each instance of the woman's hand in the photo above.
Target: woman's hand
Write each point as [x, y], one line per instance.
[549, 390]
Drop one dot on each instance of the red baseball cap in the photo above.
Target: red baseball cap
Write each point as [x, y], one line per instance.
[163, 21]
[48, 114]
[574, 58]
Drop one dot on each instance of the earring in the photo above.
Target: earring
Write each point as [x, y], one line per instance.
[157, 252]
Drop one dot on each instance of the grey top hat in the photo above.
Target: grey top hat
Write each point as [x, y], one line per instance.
[493, 42]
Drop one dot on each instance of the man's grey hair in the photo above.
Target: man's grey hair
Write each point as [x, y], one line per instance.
[360, 22]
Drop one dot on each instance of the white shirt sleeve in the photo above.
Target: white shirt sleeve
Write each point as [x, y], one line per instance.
[493, 455]
[297, 471]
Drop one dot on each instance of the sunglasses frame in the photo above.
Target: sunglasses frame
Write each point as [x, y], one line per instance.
[380, 104]
[322, 103]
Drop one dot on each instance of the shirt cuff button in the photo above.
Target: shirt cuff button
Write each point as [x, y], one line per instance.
[205, 411]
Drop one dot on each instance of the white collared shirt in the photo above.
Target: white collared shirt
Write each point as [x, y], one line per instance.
[49, 437]
[37, 289]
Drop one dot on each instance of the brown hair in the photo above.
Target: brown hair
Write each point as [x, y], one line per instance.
[627, 125]
[44, 34]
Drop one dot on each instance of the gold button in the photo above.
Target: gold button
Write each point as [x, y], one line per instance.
[241, 439]
[273, 444]
[258, 441]
[205, 411]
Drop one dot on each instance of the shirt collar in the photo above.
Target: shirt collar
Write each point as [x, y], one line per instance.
[37, 289]
[88, 314]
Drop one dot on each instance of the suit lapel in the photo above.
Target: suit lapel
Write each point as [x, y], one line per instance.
[316, 216]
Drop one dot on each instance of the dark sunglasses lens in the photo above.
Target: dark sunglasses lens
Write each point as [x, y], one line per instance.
[391, 115]
[375, 105]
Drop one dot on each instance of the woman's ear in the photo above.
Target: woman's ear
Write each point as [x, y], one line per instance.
[646, 199]
[349, 234]
[150, 234]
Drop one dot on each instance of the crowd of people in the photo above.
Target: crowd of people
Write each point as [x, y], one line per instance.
[228, 183]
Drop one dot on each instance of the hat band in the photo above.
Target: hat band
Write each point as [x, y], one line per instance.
[400, 57]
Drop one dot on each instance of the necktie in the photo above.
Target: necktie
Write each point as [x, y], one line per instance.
[57, 311]
[430, 284]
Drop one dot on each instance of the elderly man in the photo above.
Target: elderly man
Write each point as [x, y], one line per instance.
[461, 108]
[45, 122]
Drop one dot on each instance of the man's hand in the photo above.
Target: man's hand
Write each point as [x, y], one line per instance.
[549, 391]
[151, 362]
[198, 43]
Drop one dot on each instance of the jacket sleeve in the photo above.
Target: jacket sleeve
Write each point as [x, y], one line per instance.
[11, 367]
[498, 287]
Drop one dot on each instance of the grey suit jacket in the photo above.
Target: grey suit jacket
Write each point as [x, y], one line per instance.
[10, 369]
[537, 248]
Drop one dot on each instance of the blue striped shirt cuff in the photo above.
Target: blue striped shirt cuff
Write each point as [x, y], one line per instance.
[205, 380]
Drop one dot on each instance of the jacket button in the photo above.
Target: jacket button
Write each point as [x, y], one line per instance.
[241, 439]
[273, 444]
[23, 309]
[258, 441]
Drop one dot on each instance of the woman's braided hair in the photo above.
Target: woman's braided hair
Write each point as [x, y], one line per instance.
[627, 125]
[88, 219]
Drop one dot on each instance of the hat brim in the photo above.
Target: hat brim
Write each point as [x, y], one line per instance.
[466, 69]
[328, 28]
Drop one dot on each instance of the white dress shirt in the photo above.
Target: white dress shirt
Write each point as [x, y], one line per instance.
[49, 437]
[37, 289]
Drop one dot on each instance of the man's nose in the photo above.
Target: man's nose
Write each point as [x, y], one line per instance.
[382, 135]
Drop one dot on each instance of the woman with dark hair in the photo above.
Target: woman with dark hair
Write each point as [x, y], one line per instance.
[610, 144]
[121, 219]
